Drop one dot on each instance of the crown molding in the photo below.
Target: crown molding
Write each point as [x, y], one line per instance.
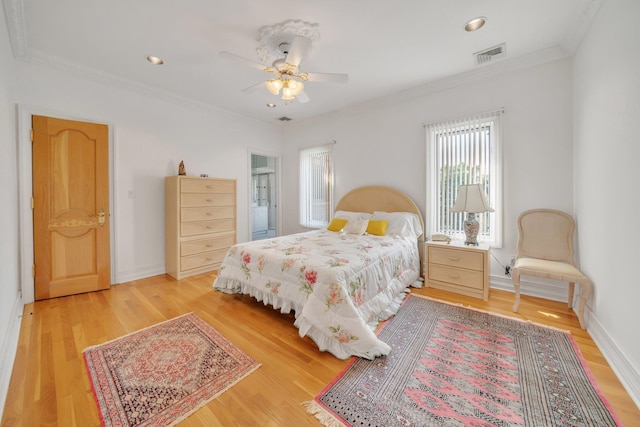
[14, 15]
[482, 72]
[573, 40]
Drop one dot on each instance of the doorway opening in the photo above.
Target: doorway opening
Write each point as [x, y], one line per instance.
[264, 196]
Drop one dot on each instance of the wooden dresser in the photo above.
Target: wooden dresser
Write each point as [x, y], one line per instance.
[458, 268]
[200, 223]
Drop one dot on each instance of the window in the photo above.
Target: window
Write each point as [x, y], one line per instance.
[316, 186]
[466, 151]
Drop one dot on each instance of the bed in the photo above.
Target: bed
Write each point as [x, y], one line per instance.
[340, 281]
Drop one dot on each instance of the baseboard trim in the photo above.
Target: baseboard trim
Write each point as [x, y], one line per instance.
[619, 362]
[139, 273]
[547, 289]
[9, 349]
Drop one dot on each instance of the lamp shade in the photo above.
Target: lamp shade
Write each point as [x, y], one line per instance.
[471, 199]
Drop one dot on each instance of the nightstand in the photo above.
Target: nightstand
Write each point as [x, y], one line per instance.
[458, 268]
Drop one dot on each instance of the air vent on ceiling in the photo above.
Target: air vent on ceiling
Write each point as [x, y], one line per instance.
[491, 54]
[284, 119]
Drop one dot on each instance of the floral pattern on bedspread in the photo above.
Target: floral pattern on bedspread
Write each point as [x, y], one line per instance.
[339, 285]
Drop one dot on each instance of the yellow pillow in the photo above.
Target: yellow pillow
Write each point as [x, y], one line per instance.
[337, 224]
[377, 227]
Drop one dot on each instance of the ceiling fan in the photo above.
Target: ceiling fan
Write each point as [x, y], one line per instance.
[288, 77]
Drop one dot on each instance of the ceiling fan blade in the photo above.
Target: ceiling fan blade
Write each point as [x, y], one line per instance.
[298, 50]
[243, 61]
[327, 77]
[253, 88]
[303, 98]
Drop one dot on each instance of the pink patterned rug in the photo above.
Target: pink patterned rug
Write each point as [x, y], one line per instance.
[160, 375]
[452, 366]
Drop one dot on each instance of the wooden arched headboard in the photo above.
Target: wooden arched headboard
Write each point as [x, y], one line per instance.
[380, 198]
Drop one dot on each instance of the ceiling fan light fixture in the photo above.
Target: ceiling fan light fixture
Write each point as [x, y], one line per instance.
[295, 86]
[155, 60]
[274, 86]
[475, 23]
[287, 94]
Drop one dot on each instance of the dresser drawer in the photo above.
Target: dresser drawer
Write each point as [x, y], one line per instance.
[458, 276]
[456, 258]
[207, 213]
[204, 199]
[203, 259]
[192, 228]
[204, 245]
[207, 186]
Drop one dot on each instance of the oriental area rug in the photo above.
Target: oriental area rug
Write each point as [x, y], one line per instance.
[160, 375]
[451, 366]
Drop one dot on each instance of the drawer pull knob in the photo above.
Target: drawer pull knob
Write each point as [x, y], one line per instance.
[209, 213]
[454, 276]
[454, 258]
[209, 200]
[209, 245]
[210, 258]
[208, 186]
[209, 227]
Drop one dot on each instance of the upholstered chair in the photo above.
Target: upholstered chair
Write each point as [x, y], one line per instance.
[545, 249]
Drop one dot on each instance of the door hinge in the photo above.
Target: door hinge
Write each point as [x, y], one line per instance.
[33, 203]
[31, 135]
[33, 270]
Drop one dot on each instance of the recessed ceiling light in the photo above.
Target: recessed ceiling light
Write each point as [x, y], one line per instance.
[271, 105]
[155, 60]
[475, 23]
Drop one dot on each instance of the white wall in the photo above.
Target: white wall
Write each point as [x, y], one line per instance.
[151, 135]
[607, 201]
[10, 302]
[384, 143]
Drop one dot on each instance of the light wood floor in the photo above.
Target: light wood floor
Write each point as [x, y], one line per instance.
[49, 385]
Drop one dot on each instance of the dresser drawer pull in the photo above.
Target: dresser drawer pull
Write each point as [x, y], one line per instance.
[209, 186]
[211, 258]
[209, 213]
[209, 245]
[209, 200]
[209, 227]
[454, 258]
[454, 276]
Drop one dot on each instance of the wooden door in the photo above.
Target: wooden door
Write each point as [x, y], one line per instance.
[71, 207]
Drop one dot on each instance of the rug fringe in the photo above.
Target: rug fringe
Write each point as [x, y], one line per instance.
[322, 414]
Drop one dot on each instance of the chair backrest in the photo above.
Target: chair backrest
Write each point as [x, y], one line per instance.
[546, 234]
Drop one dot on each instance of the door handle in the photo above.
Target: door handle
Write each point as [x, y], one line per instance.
[101, 217]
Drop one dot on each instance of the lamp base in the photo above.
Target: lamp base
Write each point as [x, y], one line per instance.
[471, 227]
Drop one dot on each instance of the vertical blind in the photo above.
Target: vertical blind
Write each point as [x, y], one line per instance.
[316, 186]
[464, 151]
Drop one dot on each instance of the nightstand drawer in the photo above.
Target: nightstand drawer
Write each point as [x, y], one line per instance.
[458, 276]
[456, 258]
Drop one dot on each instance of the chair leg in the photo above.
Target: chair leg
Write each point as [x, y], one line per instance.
[586, 288]
[515, 276]
[571, 290]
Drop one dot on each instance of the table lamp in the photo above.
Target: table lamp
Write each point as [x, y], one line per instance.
[471, 199]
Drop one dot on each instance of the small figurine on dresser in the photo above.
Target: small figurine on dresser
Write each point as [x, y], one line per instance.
[181, 169]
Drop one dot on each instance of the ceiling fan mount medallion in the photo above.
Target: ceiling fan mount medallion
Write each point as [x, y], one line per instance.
[285, 46]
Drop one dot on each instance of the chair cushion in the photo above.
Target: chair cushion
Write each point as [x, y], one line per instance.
[544, 266]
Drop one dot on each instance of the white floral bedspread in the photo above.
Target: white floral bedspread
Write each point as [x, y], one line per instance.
[339, 285]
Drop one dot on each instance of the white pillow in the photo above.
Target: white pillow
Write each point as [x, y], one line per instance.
[404, 224]
[352, 215]
[356, 226]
